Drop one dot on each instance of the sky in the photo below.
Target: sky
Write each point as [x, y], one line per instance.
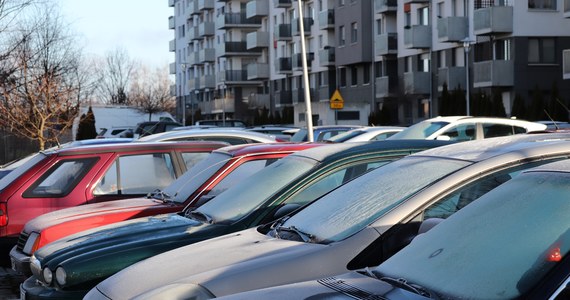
[138, 26]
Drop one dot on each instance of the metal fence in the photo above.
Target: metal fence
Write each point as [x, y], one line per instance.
[13, 147]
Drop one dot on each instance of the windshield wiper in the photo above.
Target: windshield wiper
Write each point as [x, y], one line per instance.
[305, 237]
[411, 287]
[200, 216]
[160, 195]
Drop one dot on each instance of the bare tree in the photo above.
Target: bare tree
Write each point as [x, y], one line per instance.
[150, 91]
[115, 73]
[41, 89]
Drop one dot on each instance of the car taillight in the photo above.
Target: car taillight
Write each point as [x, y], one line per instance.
[3, 214]
[554, 254]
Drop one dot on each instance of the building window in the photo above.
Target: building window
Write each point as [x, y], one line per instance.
[423, 15]
[340, 2]
[366, 75]
[542, 4]
[566, 64]
[341, 36]
[541, 51]
[379, 29]
[343, 115]
[354, 32]
[342, 77]
[354, 76]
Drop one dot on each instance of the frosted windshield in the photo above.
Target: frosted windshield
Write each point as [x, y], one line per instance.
[190, 181]
[498, 247]
[358, 203]
[251, 192]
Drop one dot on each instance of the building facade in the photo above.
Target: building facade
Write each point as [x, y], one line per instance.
[235, 58]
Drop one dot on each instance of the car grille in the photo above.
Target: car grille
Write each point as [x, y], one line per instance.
[342, 287]
[22, 241]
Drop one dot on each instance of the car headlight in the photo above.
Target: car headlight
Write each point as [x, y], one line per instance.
[60, 276]
[47, 275]
[178, 291]
[30, 245]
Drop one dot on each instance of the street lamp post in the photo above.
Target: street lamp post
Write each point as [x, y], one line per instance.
[224, 87]
[466, 46]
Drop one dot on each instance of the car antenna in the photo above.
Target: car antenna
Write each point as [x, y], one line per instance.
[554, 122]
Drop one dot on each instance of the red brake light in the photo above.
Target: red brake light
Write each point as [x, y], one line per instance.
[3, 214]
[554, 254]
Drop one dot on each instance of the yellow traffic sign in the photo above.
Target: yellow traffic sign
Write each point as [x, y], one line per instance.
[336, 101]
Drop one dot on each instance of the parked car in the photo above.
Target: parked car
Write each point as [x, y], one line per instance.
[152, 127]
[274, 191]
[320, 133]
[230, 136]
[222, 169]
[279, 132]
[223, 123]
[512, 244]
[358, 225]
[464, 128]
[364, 134]
[74, 176]
[114, 132]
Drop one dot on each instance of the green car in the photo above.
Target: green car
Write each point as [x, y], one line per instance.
[69, 267]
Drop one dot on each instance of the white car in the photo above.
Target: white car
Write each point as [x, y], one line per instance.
[365, 134]
[230, 136]
[464, 128]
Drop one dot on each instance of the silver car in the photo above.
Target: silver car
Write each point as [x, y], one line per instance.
[358, 225]
[230, 136]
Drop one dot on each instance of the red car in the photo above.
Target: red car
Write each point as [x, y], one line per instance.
[69, 177]
[222, 169]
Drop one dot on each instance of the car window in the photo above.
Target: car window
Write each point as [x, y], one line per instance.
[245, 170]
[60, 179]
[494, 130]
[333, 180]
[382, 136]
[463, 132]
[192, 158]
[136, 174]
[420, 130]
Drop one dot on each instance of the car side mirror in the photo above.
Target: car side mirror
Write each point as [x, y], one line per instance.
[285, 210]
[443, 138]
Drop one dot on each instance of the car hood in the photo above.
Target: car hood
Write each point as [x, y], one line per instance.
[180, 264]
[133, 206]
[352, 285]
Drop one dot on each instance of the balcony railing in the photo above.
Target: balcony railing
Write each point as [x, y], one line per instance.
[493, 73]
[296, 26]
[172, 46]
[233, 76]
[257, 71]
[298, 60]
[326, 19]
[283, 3]
[172, 68]
[260, 101]
[207, 82]
[454, 77]
[206, 4]
[567, 8]
[416, 83]
[236, 20]
[206, 55]
[283, 32]
[284, 97]
[384, 6]
[493, 19]
[235, 49]
[171, 22]
[327, 57]
[257, 8]
[417, 37]
[452, 29]
[283, 65]
[383, 87]
[386, 44]
[206, 29]
[257, 39]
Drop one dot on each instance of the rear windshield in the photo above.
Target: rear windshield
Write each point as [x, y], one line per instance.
[20, 167]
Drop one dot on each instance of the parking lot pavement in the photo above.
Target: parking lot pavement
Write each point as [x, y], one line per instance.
[10, 283]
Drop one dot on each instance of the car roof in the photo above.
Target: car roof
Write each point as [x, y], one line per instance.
[209, 132]
[262, 148]
[561, 166]
[479, 150]
[126, 147]
[524, 123]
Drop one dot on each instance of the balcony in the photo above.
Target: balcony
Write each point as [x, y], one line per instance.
[194, 84]
[283, 3]
[566, 8]
[416, 1]
[492, 20]
[382, 87]
[417, 37]
[206, 29]
[326, 19]
[207, 55]
[171, 22]
[173, 90]
[192, 8]
[296, 26]
[237, 20]
[171, 3]
[207, 82]
[493, 73]
[566, 64]
[192, 34]
[172, 46]
[219, 105]
[417, 83]
[257, 71]
[386, 44]
[236, 77]
[283, 65]
[192, 59]
[297, 62]
[283, 32]
[327, 57]
[172, 68]
[299, 95]
[257, 8]
[452, 29]
[260, 101]
[235, 49]
[257, 40]
[206, 4]
[454, 77]
[385, 6]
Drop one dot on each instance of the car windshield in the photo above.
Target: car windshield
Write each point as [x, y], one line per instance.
[344, 136]
[190, 181]
[20, 167]
[496, 248]
[299, 136]
[420, 130]
[251, 192]
[358, 203]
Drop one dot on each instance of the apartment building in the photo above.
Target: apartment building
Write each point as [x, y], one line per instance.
[237, 57]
